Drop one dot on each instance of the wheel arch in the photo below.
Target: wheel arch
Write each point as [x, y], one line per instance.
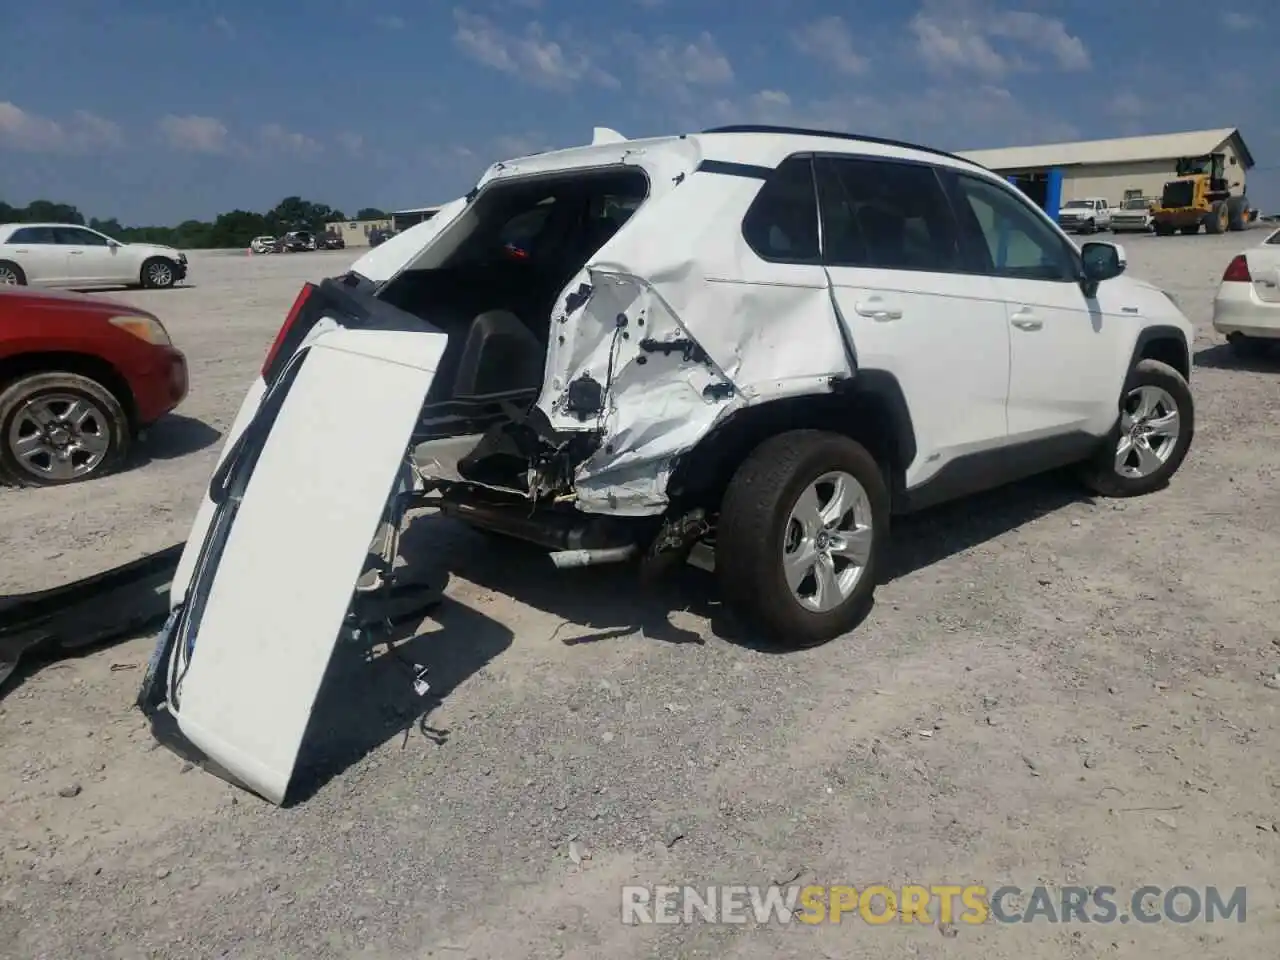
[64, 361]
[1167, 344]
[870, 407]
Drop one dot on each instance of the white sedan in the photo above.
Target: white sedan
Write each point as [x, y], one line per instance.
[1247, 308]
[66, 255]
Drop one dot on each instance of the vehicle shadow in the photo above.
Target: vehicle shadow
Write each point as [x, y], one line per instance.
[368, 697]
[174, 436]
[132, 287]
[1223, 357]
[610, 602]
[925, 538]
[595, 603]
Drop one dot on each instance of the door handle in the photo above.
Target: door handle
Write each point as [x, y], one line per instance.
[1024, 319]
[74, 253]
[877, 311]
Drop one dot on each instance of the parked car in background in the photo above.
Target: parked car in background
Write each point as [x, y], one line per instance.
[1134, 215]
[263, 245]
[67, 255]
[297, 241]
[379, 236]
[334, 241]
[1246, 309]
[80, 376]
[1087, 215]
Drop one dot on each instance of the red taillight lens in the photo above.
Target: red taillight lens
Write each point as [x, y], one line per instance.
[1237, 271]
[296, 309]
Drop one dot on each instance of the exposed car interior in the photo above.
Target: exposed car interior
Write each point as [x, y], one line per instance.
[498, 273]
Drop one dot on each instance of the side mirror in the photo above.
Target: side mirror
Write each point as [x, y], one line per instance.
[1101, 261]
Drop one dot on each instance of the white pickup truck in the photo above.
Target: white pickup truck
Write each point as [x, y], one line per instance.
[1086, 215]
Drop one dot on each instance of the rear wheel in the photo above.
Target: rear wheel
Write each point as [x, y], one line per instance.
[58, 428]
[802, 529]
[1162, 229]
[11, 274]
[1151, 437]
[1190, 230]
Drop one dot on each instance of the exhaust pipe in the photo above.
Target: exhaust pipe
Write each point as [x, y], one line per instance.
[572, 559]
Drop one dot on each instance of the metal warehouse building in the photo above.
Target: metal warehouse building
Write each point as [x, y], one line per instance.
[1114, 169]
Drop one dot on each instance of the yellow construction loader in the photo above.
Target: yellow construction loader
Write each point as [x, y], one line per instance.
[1200, 196]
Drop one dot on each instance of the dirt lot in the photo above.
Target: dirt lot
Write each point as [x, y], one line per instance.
[1049, 691]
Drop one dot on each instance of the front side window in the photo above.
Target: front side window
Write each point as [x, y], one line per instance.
[885, 214]
[76, 237]
[1016, 242]
[781, 225]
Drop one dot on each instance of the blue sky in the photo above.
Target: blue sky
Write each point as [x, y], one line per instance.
[154, 112]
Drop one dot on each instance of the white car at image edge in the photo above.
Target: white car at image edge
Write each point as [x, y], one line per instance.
[756, 342]
[68, 255]
[1246, 309]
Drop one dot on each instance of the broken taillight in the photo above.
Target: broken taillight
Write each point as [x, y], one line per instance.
[269, 364]
[1237, 271]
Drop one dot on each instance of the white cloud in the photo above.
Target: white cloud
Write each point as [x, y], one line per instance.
[81, 132]
[224, 27]
[673, 69]
[390, 22]
[351, 143]
[274, 138]
[529, 55]
[195, 134]
[1234, 20]
[1127, 105]
[957, 39]
[830, 41]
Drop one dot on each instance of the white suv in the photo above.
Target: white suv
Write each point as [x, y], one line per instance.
[768, 340]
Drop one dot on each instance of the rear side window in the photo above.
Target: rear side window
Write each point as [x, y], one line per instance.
[33, 235]
[886, 215]
[781, 225]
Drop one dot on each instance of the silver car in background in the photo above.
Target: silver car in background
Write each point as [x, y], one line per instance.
[1133, 215]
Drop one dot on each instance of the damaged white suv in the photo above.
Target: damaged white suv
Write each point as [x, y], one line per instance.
[763, 340]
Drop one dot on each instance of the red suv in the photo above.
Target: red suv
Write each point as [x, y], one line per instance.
[80, 376]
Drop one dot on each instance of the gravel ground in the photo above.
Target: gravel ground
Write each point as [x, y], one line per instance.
[1049, 691]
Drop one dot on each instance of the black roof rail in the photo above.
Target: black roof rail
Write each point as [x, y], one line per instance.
[803, 132]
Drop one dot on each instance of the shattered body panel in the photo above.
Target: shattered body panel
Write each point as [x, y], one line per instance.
[680, 335]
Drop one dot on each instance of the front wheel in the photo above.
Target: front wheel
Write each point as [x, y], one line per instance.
[11, 274]
[802, 529]
[58, 428]
[1151, 437]
[158, 274]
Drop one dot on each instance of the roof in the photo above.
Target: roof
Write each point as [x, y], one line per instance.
[1193, 143]
[405, 213]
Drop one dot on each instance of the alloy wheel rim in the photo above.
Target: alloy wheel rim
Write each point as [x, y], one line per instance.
[8, 277]
[59, 436]
[160, 274]
[1149, 426]
[827, 541]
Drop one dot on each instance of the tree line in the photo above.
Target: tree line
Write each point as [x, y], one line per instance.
[228, 230]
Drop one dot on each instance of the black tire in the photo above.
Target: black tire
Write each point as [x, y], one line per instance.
[1218, 219]
[753, 525]
[159, 273]
[9, 269]
[1248, 348]
[1100, 473]
[1162, 230]
[115, 426]
[1190, 231]
[1237, 214]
